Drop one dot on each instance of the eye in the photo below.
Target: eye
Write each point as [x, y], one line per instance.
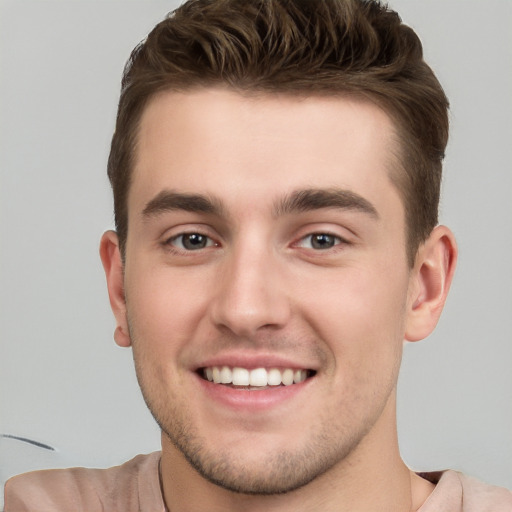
[191, 241]
[320, 241]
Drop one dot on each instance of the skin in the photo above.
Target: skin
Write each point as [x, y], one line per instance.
[261, 293]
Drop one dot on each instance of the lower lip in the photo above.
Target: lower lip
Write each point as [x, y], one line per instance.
[252, 400]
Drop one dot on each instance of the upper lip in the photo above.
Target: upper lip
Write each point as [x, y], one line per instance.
[251, 361]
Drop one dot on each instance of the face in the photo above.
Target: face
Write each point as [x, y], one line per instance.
[266, 281]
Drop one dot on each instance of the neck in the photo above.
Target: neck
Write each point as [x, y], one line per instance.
[373, 478]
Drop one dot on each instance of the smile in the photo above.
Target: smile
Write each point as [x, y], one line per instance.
[257, 378]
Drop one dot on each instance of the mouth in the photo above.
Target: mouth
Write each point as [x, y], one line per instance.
[256, 378]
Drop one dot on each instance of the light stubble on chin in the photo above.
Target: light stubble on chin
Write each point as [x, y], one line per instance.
[273, 473]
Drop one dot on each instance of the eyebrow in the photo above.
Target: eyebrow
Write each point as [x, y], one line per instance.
[298, 201]
[316, 199]
[167, 201]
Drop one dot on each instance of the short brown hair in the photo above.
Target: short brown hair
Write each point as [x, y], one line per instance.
[305, 47]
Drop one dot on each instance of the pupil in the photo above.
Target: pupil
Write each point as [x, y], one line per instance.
[194, 241]
[322, 241]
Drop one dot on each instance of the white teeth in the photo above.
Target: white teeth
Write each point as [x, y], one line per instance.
[216, 375]
[240, 377]
[274, 377]
[226, 376]
[287, 377]
[299, 376]
[258, 377]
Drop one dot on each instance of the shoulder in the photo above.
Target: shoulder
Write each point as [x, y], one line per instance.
[123, 487]
[458, 492]
[483, 497]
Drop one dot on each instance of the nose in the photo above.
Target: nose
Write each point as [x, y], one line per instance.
[251, 293]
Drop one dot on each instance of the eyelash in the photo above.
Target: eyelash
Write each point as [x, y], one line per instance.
[336, 241]
[170, 246]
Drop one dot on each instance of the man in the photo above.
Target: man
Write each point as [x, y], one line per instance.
[276, 169]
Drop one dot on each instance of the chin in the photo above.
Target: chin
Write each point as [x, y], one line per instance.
[260, 472]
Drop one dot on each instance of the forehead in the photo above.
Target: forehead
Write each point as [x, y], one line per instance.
[221, 142]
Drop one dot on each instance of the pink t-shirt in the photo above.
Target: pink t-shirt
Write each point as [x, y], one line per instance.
[135, 487]
[132, 487]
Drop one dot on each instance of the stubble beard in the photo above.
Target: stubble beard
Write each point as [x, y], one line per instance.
[280, 472]
[274, 473]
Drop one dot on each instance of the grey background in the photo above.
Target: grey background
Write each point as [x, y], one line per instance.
[65, 383]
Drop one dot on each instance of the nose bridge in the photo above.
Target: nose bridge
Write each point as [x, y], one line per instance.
[251, 291]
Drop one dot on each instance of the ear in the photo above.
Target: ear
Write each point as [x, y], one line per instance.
[430, 282]
[113, 266]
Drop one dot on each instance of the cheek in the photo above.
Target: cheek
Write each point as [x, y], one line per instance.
[165, 305]
[359, 314]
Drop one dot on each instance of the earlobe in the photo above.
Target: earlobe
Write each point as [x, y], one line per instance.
[113, 266]
[430, 282]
